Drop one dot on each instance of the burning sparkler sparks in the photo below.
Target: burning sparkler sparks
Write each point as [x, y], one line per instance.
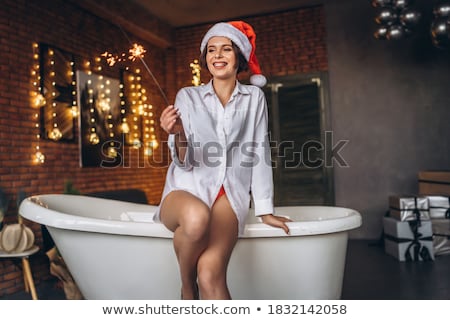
[137, 51]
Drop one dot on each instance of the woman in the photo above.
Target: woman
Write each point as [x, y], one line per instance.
[218, 139]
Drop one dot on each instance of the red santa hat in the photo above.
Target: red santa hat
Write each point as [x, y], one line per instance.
[242, 35]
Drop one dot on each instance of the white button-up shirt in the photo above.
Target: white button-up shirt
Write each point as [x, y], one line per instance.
[227, 145]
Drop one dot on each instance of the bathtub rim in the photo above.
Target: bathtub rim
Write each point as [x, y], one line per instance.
[33, 211]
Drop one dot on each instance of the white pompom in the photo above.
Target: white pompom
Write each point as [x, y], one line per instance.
[258, 80]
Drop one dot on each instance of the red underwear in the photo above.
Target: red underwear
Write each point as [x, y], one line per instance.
[221, 193]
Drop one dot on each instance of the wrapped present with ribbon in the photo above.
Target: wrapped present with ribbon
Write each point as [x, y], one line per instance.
[407, 208]
[439, 207]
[441, 236]
[408, 240]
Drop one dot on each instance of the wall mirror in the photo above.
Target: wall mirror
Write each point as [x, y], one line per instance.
[104, 108]
[100, 119]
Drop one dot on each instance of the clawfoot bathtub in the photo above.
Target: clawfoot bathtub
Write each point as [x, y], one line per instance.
[114, 250]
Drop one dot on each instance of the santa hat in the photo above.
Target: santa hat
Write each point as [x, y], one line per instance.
[242, 35]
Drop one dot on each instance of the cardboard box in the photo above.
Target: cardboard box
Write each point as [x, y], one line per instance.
[439, 207]
[408, 240]
[441, 236]
[434, 183]
[409, 207]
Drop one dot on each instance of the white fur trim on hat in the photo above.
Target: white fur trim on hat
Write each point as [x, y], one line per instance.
[258, 80]
[223, 29]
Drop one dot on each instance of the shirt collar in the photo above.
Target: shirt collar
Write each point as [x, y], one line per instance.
[240, 88]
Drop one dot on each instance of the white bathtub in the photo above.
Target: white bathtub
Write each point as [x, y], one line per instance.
[115, 251]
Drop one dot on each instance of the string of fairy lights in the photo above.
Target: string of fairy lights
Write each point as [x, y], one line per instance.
[55, 133]
[196, 70]
[136, 113]
[37, 102]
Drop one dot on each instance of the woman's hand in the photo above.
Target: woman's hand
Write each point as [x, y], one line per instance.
[276, 221]
[170, 120]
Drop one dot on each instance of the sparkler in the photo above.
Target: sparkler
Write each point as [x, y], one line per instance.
[137, 52]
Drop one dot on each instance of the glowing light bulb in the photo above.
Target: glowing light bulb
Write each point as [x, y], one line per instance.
[148, 151]
[93, 138]
[55, 134]
[154, 144]
[39, 157]
[39, 101]
[137, 143]
[112, 152]
[125, 127]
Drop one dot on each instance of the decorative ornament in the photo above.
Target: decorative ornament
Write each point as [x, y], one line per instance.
[112, 152]
[39, 157]
[442, 10]
[93, 138]
[440, 32]
[137, 143]
[386, 16]
[124, 126]
[396, 32]
[395, 18]
[440, 26]
[38, 101]
[16, 238]
[401, 4]
[410, 18]
[55, 134]
[381, 3]
[196, 69]
[381, 33]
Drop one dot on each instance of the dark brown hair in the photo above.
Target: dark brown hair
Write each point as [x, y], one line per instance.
[242, 62]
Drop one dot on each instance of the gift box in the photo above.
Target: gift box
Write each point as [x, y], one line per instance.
[439, 207]
[406, 208]
[434, 182]
[441, 236]
[408, 240]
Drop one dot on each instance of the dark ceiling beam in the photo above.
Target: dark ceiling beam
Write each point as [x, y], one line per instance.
[131, 18]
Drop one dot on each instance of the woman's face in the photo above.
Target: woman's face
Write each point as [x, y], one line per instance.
[220, 58]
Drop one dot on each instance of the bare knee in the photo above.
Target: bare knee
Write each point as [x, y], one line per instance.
[195, 221]
[187, 214]
[211, 277]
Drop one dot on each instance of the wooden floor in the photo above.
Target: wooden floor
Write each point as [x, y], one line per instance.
[370, 274]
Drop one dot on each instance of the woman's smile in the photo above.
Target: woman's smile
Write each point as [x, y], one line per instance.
[220, 57]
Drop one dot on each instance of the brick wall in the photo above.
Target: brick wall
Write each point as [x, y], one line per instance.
[287, 43]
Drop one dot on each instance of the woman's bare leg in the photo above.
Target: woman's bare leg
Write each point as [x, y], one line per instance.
[213, 262]
[189, 218]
